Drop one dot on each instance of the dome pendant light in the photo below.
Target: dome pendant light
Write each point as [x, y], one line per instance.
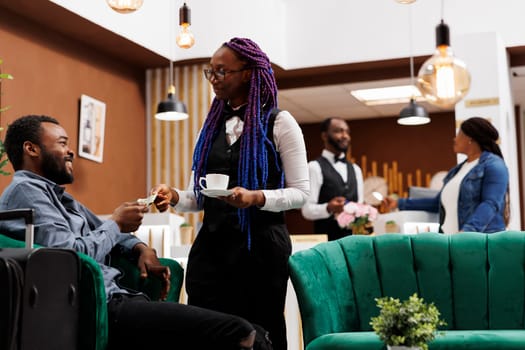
[413, 114]
[172, 109]
[443, 79]
[125, 6]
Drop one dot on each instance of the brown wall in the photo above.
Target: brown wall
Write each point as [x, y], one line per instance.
[50, 73]
[426, 147]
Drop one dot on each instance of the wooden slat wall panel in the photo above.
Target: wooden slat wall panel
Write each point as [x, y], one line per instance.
[170, 144]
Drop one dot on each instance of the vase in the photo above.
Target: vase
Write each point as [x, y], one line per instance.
[402, 347]
[364, 229]
[186, 235]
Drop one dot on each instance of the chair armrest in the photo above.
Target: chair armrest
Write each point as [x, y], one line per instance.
[151, 286]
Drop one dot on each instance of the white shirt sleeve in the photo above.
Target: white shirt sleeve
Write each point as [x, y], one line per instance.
[289, 142]
[187, 199]
[313, 210]
[360, 183]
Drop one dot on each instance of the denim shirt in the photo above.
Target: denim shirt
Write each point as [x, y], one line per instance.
[481, 200]
[62, 222]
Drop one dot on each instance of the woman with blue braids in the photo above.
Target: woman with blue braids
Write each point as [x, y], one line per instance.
[238, 262]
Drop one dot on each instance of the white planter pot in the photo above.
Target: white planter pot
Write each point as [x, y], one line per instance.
[401, 347]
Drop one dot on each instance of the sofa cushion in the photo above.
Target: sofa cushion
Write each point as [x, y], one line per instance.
[445, 340]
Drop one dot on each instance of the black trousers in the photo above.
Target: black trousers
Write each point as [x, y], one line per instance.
[224, 275]
[137, 323]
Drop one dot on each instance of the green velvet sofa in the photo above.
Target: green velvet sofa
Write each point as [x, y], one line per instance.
[476, 280]
[93, 324]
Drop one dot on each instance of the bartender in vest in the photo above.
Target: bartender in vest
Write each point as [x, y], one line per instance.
[334, 180]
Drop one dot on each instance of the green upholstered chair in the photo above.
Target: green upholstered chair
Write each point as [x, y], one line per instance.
[476, 280]
[93, 327]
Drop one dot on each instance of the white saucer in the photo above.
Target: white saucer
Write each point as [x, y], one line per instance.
[216, 193]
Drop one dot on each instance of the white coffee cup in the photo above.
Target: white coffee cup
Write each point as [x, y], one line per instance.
[214, 182]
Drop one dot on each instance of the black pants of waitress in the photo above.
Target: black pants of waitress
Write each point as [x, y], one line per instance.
[224, 275]
[137, 323]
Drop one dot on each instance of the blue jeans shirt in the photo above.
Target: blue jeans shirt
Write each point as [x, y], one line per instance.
[481, 200]
[62, 222]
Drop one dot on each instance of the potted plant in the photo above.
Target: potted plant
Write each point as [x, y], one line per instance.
[391, 226]
[410, 324]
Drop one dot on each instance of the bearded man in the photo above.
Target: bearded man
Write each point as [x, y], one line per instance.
[334, 180]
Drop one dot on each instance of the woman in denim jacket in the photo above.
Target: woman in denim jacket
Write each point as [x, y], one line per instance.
[474, 196]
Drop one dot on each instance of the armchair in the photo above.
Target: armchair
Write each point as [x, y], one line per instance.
[93, 325]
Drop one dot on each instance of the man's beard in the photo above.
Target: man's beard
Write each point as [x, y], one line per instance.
[55, 171]
[334, 143]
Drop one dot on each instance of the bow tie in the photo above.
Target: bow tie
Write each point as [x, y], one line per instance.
[229, 112]
[342, 160]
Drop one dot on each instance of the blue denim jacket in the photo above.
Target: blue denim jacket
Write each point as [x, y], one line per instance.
[481, 200]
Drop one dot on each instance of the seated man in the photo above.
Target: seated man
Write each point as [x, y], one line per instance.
[38, 149]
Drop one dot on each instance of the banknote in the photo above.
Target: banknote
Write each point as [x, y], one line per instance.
[148, 200]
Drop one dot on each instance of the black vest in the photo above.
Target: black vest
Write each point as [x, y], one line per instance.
[334, 186]
[224, 159]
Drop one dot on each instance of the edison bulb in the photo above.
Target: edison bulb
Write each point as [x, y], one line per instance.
[185, 38]
[443, 79]
[125, 6]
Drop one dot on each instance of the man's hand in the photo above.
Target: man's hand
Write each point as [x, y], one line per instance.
[336, 205]
[165, 197]
[149, 265]
[129, 216]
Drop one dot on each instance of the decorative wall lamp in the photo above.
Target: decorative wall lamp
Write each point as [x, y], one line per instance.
[443, 79]
[185, 37]
[125, 6]
[413, 114]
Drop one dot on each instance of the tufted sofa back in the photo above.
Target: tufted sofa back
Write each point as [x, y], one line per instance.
[476, 280]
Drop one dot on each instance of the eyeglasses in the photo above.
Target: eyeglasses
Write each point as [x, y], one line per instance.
[220, 73]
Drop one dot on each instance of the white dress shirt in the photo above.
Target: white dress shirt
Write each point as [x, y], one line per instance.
[289, 142]
[313, 210]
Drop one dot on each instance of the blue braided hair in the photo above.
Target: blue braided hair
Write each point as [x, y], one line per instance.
[254, 147]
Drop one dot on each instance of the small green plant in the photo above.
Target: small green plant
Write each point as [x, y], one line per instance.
[185, 224]
[411, 323]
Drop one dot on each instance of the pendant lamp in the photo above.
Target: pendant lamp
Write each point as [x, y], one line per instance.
[125, 6]
[172, 109]
[185, 38]
[413, 114]
[443, 79]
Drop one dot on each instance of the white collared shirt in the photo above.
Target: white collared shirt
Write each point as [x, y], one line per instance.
[312, 210]
[289, 142]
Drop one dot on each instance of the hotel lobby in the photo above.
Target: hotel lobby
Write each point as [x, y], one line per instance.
[64, 55]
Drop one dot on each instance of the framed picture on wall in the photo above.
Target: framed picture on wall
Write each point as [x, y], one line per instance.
[91, 128]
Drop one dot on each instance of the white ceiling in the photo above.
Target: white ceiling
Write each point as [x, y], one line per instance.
[313, 104]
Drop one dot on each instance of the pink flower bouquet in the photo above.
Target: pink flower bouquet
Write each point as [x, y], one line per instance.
[356, 216]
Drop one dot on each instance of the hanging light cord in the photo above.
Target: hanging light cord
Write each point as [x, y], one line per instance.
[410, 45]
[172, 39]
